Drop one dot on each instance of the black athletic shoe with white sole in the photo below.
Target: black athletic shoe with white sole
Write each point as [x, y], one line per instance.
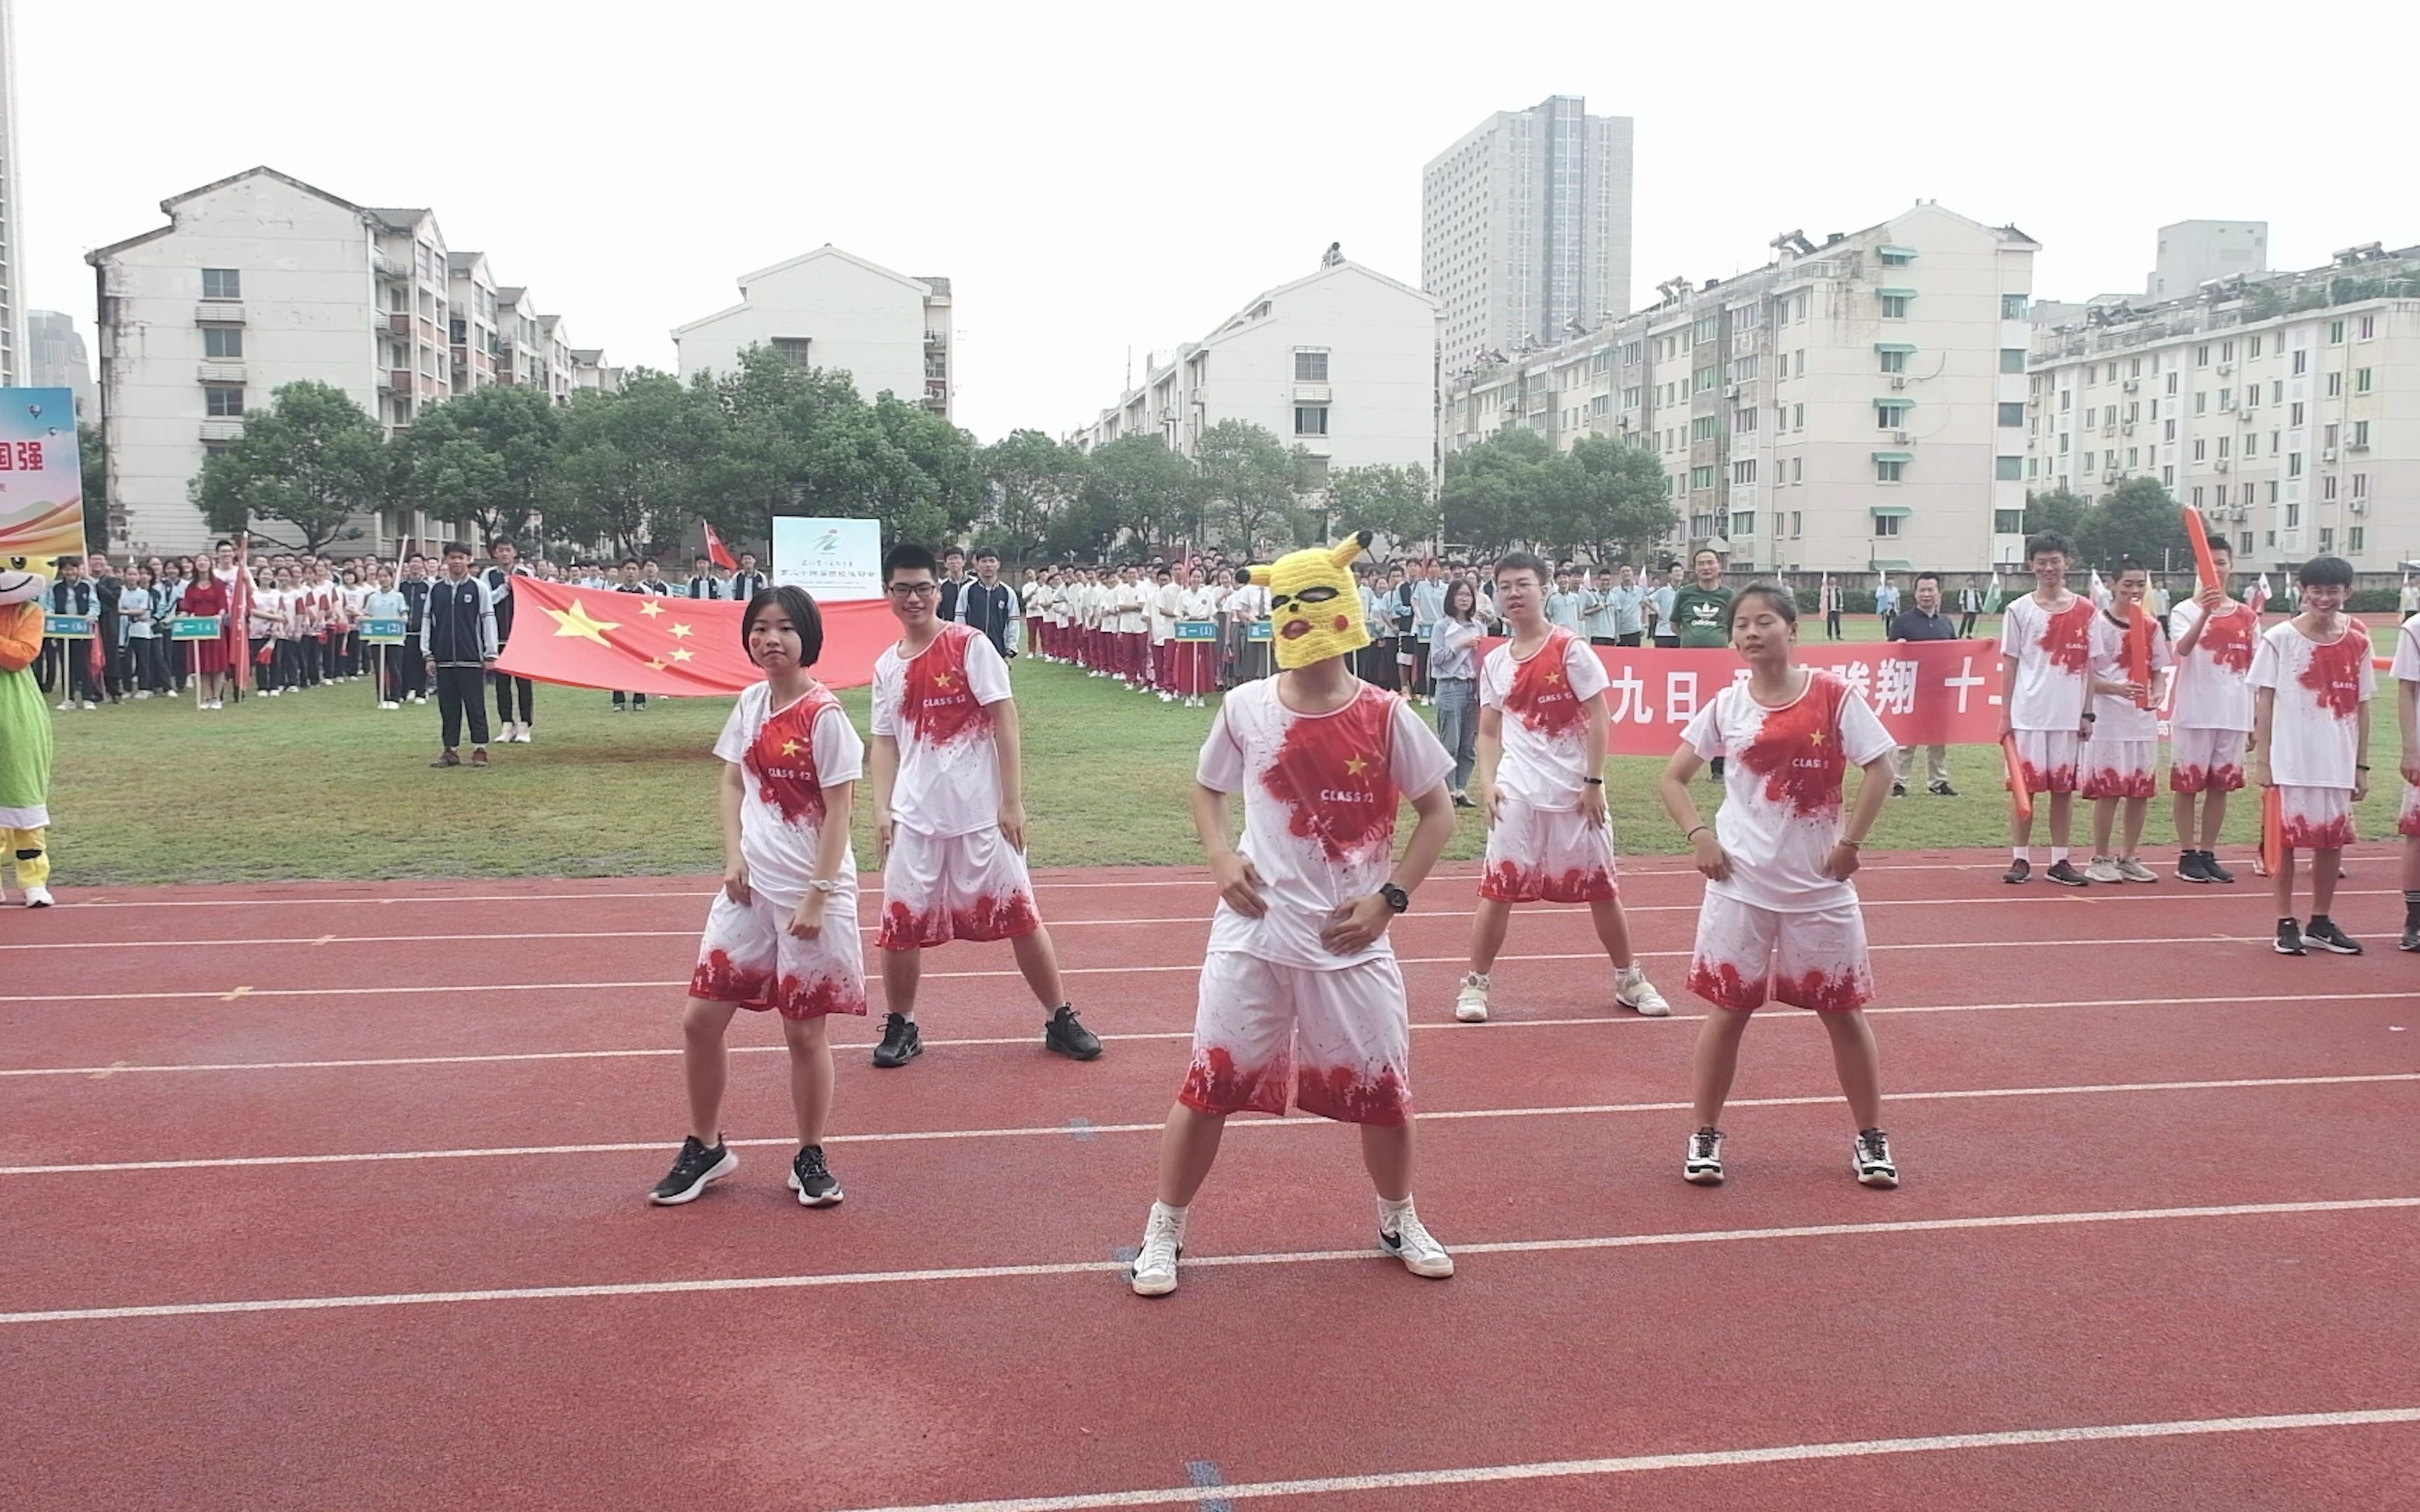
[2211, 870]
[900, 1044]
[2322, 932]
[2066, 876]
[2189, 867]
[2018, 872]
[2411, 938]
[1872, 1157]
[1703, 1164]
[811, 1179]
[2289, 938]
[1065, 1035]
[694, 1168]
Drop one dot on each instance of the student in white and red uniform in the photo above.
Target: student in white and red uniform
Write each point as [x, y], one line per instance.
[2311, 680]
[2407, 823]
[2121, 761]
[1193, 659]
[949, 805]
[1161, 605]
[2045, 665]
[1780, 918]
[781, 933]
[1542, 740]
[1301, 1000]
[1134, 626]
[2209, 718]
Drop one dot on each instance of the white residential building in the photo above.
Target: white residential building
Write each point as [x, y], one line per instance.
[1341, 363]
[834, 310]
[2284, 407]
[13, 211]
[471, 327]
[591, 370]
[55, 359]
[1852, 405]
[2192, 253]
[1524, 229]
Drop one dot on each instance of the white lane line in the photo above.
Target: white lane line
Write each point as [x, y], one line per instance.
[1153, 1126]
[1095, 1267]
[1201, 921]
[1594, 1021]
[1402, 1480]
[1597, 955]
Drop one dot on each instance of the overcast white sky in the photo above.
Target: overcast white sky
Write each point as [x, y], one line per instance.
[1096, 178]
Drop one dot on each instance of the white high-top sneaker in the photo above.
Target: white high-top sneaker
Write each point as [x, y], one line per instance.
[1163, 1240]
[1470, 1003]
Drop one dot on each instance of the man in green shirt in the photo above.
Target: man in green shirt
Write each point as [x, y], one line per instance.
[1703, 609]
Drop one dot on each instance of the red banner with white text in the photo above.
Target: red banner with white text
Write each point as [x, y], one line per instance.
[671, 646]
[1927, 692]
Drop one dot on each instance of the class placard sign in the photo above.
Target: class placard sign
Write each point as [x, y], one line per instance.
[1258, 631]
[193, 627]
[68, 627]
[381, 632]
[1195, 630]
[1426, 633]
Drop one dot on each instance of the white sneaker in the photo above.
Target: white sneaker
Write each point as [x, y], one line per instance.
[142, 694]
[1410, 1241]
[2103, 869]
[1163, 1240]
[2133, 870]
[1870, 1156]
[89, 705]
[507, 738]
[1632, 991]
[1470, 1003]
[65, 706]
[1703, 1164]
[386, 704]
[37, 897]
[521, 736]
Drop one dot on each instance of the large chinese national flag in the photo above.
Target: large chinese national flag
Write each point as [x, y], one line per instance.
[642, 643]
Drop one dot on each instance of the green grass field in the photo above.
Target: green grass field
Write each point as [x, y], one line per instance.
[324, 785]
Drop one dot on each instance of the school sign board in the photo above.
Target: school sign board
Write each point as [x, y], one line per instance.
[41, 481]
[836, 561]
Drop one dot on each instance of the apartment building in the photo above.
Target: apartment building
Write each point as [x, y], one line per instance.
[261, 280]
[1524, 229]
[1853, 404]
[2285, 406]
[1341, 363]
[836, 311]
[56, 358]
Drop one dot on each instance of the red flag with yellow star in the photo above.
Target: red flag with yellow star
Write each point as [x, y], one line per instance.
[672, 647]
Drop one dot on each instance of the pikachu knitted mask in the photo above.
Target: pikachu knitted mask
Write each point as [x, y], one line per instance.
[1315, 605]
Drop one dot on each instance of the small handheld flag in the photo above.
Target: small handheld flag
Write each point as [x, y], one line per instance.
[1992, 600]
[713, 550]
[2259, 595]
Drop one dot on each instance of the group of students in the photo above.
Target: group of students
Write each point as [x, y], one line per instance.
[1300, 1000]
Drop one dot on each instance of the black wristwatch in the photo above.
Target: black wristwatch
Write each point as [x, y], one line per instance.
[1397, 899]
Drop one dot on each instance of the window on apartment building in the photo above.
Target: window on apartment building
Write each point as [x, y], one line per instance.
[792, 349]
[2197, 499]
[2356, 539]
[1311, 419]
[2327, 487]
[1744, 522]
[2327, 435]
[2013, 358]
[2294, 415]
[2201, 356]
[1895, 308]
[2171, 434]
[1889, 472]
[221, 344]
[2251, 443]
[2133, 456]
[2360, 485]
[2066, 400]
[2063, 438]
[1705, 378]
[2369, 327]
[2200, 449]
[1744, 471]
[2009, 468]
[1797, 417]
[2293, 515]
[1890, 416]
[1703, 429]
[223, 401]
[2272, 490]
[2033, 466]
[1701, 477]
[2336, 333]
[2088, 460]
[1885, 525]
[1742, 369]
[1744, 419]
[2172, 381]
[2013, 306]
[1797, 524]
[2091, 417]
[2008, 522]
[2327, 539]
[221, 283]
[2226, 352]
[2361, 435]
[2168, 477]
[1708, 330]
[2293, 464]
[1893, 362]
[2361, 380]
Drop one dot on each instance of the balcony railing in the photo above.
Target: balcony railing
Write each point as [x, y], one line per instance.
[398, 323]
[219, 313]
[388, 267]
[222, 430]
[221, 373]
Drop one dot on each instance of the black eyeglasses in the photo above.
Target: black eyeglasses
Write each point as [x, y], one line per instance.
[926, 589]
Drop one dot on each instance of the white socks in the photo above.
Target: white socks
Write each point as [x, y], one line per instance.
[1391, 1212]
[2057, 854]
[2022, 853]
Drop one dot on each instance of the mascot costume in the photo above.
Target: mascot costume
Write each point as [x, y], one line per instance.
[24, 731]
[1314, 604]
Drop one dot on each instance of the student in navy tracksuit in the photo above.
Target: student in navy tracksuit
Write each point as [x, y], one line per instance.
[498, 580]
[458, 642]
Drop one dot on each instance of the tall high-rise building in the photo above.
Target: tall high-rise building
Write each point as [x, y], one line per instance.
[1524, 229]
[56, 358]
[12, 297]
[2193, 253]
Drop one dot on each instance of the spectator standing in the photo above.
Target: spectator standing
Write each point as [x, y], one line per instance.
[987, 605]
[412, 686]
[1830, 594]
[205, 596]
[1453, 667]
[953, 582]
[386, 602]
[702, 583]
[1662, 602]
[746, 582]
[1629, 598]
[1970, 604]
[1428, 606]
[457, 641]
[630, 583]
[503, 566]
[106, 588]
[1923, 623]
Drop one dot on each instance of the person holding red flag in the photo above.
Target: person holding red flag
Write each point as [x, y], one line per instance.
[2212, 718]
[949, 804]
[2045, 661]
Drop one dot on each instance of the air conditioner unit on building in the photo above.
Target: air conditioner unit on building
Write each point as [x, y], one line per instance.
[2222, 464]
[2327, 453]
[2225, 369]
[1731, 393]
[1900, 438]
[2112, 475]
[2129, 427]
[1898, 381]
[2132, 384]
[2226, 404]
[2359, 506]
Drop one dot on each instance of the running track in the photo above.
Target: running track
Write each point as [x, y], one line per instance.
[326, 1194]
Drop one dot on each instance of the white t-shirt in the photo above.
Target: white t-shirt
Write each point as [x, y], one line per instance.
[2214, 679]
[2115, 715]
[1544, 702]
[2053, 652]
[2313, 736]
[1249, 602]
[936, 705]
[2407, 654]
[1167, 601]
[1321, 792]
[1132, 600]
[787, 757]
[1782, 777]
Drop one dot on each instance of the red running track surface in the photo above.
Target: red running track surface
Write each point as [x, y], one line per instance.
[301, 1173]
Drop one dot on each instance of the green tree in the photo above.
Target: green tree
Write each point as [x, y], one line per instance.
[1396, 500]
[1033, 482]
[310, 461]
[1134, 486]
[1493, 490]
[93, 455]
[2056, 510]
[2136, 519]
[796, 444]
[632, 461]
[1247, 486]
[1611, 499]
[927, 479]
[492, 458]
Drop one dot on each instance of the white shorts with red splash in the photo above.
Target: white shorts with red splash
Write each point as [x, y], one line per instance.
[939, 888]
[2316, 819]
[2407, 820]
[2120, 768]
[1547, 855]
[2049, 759]
[2206, 761]
[1815, 959]
[1338, 1041]
[749, 956]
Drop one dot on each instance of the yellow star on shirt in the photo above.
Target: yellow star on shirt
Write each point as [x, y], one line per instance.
[790, 747]
[1554, 677]
[682, 653]
[651, 609]
[1817, 737]
[575, 621]
[942, 679]
[1355, 765]
[682, 632]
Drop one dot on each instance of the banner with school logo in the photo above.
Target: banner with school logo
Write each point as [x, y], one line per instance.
[41, 480]
[839, 559]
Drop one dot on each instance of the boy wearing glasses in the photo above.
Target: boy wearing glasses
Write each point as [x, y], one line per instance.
[949, 809]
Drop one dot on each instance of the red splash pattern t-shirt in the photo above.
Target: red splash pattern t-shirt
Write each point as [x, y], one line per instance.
[786, 758]
[938, 706]
[1783, 780]
[2314, 726]
[2214, 686]
[1543, 696]
[2053, 652]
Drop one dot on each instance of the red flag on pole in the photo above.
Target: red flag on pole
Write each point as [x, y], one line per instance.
[238, 625]
[714, 550]
[673, 646]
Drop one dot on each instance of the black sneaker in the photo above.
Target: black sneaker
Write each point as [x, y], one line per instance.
[2189, 867]
[2324, 932]
[2411, 938]
[2289, 938]
[2066, 876]
[2211, 870]
[1899, 790]
[900, 1044]
[1065, 1035]
[2018, 872]
[1942, 790]
[692, 1169]
[813, 1180]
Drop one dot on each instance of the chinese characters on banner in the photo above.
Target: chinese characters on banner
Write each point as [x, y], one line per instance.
[41, 481]
[1927, 692]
